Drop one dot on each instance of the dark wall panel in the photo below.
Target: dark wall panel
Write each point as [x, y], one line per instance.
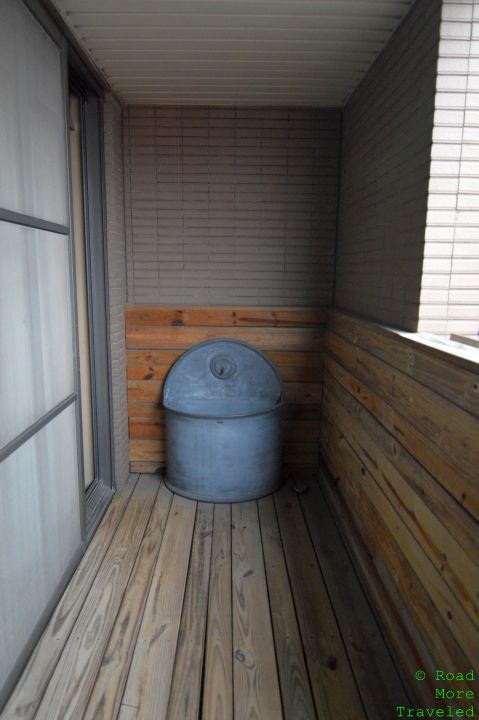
[386, 153]
[231, 206]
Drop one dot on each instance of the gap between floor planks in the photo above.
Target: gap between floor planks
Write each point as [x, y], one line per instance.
[239, 619]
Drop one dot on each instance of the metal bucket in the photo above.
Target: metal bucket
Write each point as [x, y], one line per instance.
[223, 400]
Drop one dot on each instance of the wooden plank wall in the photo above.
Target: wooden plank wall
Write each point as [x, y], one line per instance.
[292, 338]
[400, 439]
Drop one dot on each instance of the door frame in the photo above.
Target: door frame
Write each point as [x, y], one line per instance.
[98, 495]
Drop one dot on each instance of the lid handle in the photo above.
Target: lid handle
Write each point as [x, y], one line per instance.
[223, 366]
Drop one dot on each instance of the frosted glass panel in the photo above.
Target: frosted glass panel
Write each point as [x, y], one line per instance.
[39, 529]
[36, 353]
[33, 180]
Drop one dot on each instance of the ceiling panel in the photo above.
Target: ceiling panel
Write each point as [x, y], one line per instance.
[233, 52]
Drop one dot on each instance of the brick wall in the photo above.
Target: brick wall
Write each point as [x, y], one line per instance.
[386, 147]
[450, 287]
[230, 206]
[115, 235]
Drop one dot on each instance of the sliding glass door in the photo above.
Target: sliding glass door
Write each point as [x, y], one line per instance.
[41, 466]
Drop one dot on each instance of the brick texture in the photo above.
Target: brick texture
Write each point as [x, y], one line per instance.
[450, 285]
[386, 153]
[115, 236]
[230, 206]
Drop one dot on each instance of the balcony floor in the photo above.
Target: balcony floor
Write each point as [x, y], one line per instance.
[191, 610]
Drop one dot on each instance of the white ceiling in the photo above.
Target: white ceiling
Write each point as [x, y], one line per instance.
[233, 52]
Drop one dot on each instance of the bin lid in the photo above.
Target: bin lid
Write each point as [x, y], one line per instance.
[222, 378]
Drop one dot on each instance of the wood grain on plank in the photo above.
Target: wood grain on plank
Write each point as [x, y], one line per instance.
[302, 412]
[436, 461]
[334, 689]
[181, 338]
[146, 467]
[148, 685]
[146, 370]
[427, 619]
[453, 431]
[436, 536]
[394, 611]
[151, 391]
[384, 428]
[29, 690]
[108, 689]
[292, 338]
[301, 373]
[417, 631]
[301, 454]
[442, 372]
[185, 694]
[377, 678]
[146, 411]
[305, 356]
[176, 617]
[145, 391]
[149, 450]
[150, 360]
[218, 676]
[151, 453]
[294, 681]
[290, 412]
[67, 694]
[256, 688]
[302, 393]
[301, 431]
[147, 429]
[223, 316]
[293, 430]
[127, 713]
[445, 600]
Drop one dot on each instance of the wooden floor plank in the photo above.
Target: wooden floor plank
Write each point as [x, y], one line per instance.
[256, 687]
[334, 688]
[295, 689]
[193, 611]
[185, 695]
[108, 690]
[148, 686]
[127, 713]
[379, 683]
[218, 677]
[67, 694]
[27, 695]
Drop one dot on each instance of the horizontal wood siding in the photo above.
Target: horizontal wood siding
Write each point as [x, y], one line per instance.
[292, 339]
[399, 440]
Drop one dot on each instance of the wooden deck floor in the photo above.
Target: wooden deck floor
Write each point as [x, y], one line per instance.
[186, 610]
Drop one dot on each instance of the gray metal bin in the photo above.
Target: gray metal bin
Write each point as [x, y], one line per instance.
[223, 400]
